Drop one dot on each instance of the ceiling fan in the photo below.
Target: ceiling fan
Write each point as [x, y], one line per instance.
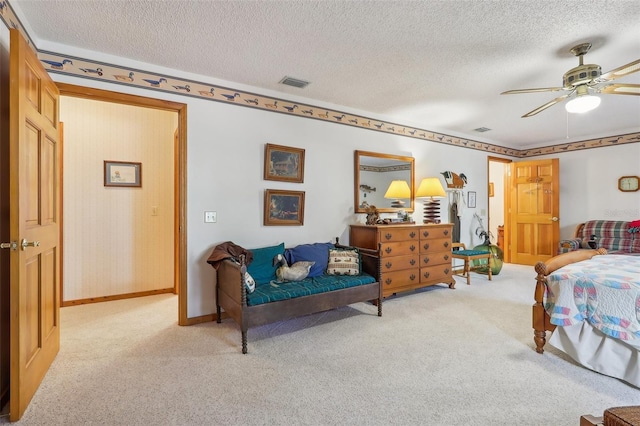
[580, 82]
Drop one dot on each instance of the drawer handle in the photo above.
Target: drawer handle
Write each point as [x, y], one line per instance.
[388, 265]
[388, 281]
[425, 233]
[412, 262]
[412, 277]
[446, 232]
[426, 246]
[446, 257]
[446, 244]
[425, 260]
[412, 248]
[388, 250]
[387, 236]
[426, 274]
[412, 234]
[446, 270]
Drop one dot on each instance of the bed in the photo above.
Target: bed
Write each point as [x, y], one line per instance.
[590, 301]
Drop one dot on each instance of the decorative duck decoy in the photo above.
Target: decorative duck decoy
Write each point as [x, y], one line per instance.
[155, 83]
[58, 65]
[209, 93]
[92, 71]
[231, 97]
[124, 77]
[453, 180]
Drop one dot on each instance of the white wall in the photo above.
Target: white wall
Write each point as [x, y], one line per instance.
[225, 149]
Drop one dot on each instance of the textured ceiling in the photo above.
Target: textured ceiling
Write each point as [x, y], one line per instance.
[434, 64]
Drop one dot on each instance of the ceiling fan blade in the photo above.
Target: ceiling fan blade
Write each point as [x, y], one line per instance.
[545, 106]
[542, 89]
[622, 89]
[630, 68]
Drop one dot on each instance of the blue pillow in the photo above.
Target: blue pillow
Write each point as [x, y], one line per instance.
[261, 268]
[316, 252]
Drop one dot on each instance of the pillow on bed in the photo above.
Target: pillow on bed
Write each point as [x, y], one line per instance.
[249, 283]
[344, 262]
[262, 268]
[316, 252]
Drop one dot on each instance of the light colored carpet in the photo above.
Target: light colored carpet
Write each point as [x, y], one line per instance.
[437, 356]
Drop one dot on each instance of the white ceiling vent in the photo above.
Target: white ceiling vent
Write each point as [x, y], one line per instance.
[482, 129]
[295, 82]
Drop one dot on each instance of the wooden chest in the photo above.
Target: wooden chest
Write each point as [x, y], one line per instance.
[412, 256]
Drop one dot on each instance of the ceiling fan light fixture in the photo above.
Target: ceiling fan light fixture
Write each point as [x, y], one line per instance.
[582, 104]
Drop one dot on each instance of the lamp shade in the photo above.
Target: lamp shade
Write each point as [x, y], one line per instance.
[398, 189]
[430, 187]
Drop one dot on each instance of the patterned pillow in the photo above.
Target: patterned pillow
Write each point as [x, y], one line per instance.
[249, 283]
[344, 262]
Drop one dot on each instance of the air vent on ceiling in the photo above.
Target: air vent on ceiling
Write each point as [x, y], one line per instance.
[290, 81]
[482, 129]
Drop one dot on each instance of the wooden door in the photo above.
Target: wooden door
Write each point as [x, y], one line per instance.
[535, 209]
[34, 183]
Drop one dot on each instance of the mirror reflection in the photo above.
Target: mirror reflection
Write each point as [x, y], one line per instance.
[374, 174]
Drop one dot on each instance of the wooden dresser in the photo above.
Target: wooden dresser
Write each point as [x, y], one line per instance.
[413, 256]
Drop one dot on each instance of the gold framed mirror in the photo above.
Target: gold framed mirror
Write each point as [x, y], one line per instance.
[374, 173]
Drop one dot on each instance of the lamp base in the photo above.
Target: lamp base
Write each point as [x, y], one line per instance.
[432, 211]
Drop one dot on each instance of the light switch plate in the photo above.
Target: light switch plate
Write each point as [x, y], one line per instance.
[210, 217]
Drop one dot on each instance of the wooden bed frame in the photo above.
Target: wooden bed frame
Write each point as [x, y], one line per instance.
[541, 320]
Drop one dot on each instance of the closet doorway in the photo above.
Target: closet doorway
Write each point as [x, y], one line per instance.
[158, 205]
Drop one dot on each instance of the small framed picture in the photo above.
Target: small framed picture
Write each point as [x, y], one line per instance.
[471, 200]
[283, 163]
[283, 207]
[121, 173]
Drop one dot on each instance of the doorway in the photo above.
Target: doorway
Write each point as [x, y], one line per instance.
[178, 181]
[498, 202]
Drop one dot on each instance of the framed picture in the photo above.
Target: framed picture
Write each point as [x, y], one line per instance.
[121, 173]
[490, 189]
[283, 207]
[471, 200]
[283, 163]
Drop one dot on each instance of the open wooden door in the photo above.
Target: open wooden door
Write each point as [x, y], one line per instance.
[34, 183]
[535, 209]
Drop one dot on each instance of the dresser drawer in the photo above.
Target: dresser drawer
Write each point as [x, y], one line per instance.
[391, 235]
[397, 263]
[438, 273]
[398, 279]
[435, 244]
[435, 232]
[437, 258]
[400, 248]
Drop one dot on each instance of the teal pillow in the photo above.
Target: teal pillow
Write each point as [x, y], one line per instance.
[261, 268]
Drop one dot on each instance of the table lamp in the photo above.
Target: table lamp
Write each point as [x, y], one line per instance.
[432, 189]
[397, 190]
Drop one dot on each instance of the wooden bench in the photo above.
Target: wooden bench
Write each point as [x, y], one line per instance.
[468, 256]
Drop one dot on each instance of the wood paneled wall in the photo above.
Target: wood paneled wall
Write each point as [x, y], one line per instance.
[113, 243]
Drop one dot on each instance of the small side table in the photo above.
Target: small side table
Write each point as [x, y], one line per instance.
[468, 256]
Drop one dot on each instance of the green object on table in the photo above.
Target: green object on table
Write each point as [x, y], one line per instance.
[497, 259]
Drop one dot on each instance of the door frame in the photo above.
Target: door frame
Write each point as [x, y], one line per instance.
[180, 189]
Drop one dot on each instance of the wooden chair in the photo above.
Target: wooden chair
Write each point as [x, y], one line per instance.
[468, 256]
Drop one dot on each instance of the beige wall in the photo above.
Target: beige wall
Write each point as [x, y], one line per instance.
[113, 244]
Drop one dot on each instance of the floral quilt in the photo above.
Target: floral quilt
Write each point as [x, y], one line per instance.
[604, 291]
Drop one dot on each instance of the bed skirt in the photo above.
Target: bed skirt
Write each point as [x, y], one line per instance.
[591, 348]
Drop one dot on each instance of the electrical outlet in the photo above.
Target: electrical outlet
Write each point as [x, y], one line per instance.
[210, 217]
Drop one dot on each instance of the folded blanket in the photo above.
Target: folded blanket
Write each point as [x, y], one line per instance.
[228, 250]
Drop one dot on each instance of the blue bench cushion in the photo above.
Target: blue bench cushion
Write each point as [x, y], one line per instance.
[274, 292]
[470, 252]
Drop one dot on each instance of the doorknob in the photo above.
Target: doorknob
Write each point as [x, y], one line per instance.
[26, 244]
[555, 219]
[12, 245]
